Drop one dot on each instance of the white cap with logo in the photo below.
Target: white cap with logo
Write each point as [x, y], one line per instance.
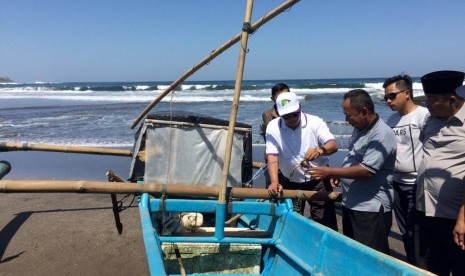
[287, 103]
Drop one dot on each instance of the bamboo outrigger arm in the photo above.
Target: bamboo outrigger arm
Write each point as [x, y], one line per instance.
[213, 55]
[98, 187]
[8, 146]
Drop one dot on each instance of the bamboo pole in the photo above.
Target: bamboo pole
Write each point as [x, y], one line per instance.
[212, 56]
[8, 146]
[235, 103]
[99, 187]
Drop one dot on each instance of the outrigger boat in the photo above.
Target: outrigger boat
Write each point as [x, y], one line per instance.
[187, 169]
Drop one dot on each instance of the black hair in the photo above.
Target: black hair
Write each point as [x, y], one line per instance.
[359, 99]
[402, 81]
[279, 87]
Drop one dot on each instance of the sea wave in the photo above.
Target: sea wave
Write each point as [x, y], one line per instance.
[315, 86]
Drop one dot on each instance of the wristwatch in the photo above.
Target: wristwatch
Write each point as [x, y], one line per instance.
[320, 150]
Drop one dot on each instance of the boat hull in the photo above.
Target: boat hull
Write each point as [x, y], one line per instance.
[290, 243]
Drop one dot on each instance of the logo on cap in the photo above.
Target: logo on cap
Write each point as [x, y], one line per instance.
[285, 101]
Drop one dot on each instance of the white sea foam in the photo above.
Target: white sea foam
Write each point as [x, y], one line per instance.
[142, 87]
[319, 90]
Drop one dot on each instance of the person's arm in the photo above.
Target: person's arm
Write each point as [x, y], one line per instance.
[329, 148]
[353, 172]
[263, 123]
[459, 229]
[273, 169]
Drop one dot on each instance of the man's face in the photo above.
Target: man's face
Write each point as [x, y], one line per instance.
[354, 117]
[394, 97]
[292, 120]
[439, 105]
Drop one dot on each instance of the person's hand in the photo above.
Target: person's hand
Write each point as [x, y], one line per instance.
[320, 173]
[313, 153]
[335, 182]
[459, 229]
[275, 188]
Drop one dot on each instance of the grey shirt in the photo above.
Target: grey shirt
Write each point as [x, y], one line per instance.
[441, 174]
[374, 148]
[409, 154]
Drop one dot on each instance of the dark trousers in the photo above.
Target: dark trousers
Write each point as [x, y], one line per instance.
[322, 212]
[404, 209]
[369, 228]
[437, 246]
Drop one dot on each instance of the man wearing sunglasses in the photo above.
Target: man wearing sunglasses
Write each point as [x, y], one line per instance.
[294, 142]
[407, 123]
[441, 175]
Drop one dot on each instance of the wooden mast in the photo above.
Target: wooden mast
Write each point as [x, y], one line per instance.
[246, 30]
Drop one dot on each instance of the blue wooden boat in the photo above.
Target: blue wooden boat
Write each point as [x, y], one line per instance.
[290, 243]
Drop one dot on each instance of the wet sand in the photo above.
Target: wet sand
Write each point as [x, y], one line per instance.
[75, 234]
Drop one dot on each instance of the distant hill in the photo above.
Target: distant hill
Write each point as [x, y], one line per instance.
[5, 79]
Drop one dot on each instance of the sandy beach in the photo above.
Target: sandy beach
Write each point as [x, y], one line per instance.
[67, 234]
[75, 234]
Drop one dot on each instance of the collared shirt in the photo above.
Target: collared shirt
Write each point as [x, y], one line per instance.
[441, 174]
[374, 148]
[292, 144]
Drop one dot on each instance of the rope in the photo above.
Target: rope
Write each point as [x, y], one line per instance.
[120, 207]
[260, 171]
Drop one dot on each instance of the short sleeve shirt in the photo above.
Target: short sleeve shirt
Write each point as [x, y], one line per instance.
[441, 184]
[407, 130]
[374, 148]
[292, 144]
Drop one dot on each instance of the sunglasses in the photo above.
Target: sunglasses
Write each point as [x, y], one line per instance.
[392, 96]
[291, 115]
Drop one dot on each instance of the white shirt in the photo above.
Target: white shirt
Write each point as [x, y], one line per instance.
[292, 144]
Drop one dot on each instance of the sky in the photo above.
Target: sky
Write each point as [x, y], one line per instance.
[159, 40]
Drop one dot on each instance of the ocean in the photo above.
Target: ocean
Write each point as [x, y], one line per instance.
[101, 113]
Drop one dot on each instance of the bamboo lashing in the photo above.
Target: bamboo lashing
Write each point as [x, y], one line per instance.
[212, 56]
[8, 146]
[99, 187]
[235, 102]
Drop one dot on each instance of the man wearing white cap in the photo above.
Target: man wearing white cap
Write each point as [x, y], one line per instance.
[441, 184]
[294, 141]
